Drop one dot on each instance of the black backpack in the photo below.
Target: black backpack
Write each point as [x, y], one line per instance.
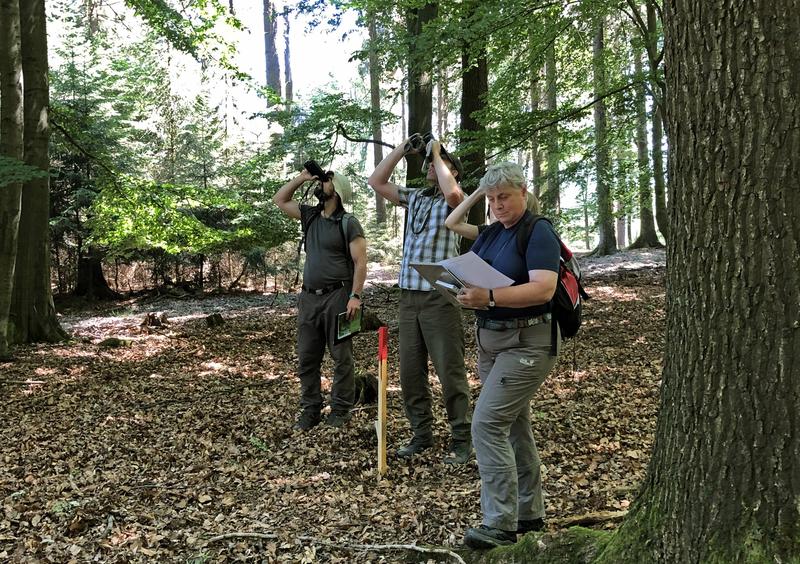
[567, 301]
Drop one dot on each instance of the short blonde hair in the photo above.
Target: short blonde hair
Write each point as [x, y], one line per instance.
[342, 186]
[512, 174]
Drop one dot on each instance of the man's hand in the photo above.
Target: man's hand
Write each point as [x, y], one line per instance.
[433, 148]
[353, 305]
[305, 176]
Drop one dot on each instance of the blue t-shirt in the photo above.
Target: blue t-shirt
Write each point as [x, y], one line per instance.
[498, 247]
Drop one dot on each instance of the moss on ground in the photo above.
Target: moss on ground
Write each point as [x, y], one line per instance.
[576, 545]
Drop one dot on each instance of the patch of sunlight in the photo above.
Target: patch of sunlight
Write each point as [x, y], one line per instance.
[615, 293]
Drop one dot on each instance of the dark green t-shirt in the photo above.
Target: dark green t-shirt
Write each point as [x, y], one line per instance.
[327, 259]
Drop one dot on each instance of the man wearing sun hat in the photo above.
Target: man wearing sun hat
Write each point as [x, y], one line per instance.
[333, 279]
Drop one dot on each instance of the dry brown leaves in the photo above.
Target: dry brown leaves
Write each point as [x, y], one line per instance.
[145, 451]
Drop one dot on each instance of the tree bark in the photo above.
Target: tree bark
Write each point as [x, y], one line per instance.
[723, 482]
[647, 223]
[420, 86]
[287, 63]
[91, 281]
[607, 243]
[551, 199]
[273, 71]
[536, 157]
[375, 107]
[658, 173]
[33, 314]
[474, 89]
[11, 145]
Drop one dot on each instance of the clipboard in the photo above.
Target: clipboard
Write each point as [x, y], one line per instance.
[444, 281]
[347, 328]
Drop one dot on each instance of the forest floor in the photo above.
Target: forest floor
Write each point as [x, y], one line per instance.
[150, 451]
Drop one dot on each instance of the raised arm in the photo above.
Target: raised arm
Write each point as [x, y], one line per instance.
[379, 179]
[453, 194]
[457, 220]
[283, 197]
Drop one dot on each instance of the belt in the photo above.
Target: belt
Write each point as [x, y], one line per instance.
[514, 323]
[325, 290]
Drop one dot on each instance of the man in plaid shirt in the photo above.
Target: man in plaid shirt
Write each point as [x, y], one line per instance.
[430, 325]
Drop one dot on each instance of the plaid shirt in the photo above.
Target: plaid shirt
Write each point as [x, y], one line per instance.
[427, 239]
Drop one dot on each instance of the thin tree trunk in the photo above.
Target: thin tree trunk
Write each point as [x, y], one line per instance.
[273, 74]
[536, 157]
[11, 145]
[620, 221]
[375, 106]
[658, 174]
[32, 311]
[551, 199]
[647, 223]
[287, 63]
[607, 243]
[723, 482]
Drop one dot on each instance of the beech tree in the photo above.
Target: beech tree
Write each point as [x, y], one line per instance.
[11, 147]
[32, 313]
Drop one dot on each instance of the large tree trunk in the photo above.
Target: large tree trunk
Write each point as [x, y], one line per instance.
[474, 89]
[420, 87]
[375, 107]
[723, 482]
[273, 74]
[551, 198]
[647, 223]
[33, 314]
[607, 243]
[11, 145]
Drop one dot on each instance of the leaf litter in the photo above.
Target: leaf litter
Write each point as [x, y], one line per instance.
[147, 450]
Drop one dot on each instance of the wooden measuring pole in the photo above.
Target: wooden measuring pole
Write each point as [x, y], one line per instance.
[383, 383]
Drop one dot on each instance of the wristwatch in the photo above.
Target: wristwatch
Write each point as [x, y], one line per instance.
[356, 296]
[491, 298]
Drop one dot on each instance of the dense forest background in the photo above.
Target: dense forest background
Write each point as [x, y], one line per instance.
[164, 152]
[139, 151]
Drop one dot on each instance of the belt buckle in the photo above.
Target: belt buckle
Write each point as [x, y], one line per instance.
[319, 292]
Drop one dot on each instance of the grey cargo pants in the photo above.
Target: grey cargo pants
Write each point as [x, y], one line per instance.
[512, 365]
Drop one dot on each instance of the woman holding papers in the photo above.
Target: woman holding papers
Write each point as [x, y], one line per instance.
[514, 357]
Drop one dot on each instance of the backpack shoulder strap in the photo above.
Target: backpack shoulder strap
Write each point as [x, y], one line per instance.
[527, 223]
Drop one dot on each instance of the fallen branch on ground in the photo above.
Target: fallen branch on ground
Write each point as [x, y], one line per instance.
[268, 536]
[376, 547]
[589, 519]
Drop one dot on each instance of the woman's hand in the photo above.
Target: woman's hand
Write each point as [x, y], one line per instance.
[475, 298]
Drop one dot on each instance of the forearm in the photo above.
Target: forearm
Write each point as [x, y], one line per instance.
[459, 214]
[383, 172]
[447, 182]
[524, 295]
[286, 192]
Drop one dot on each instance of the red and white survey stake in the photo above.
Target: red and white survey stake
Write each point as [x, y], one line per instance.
[383, 383]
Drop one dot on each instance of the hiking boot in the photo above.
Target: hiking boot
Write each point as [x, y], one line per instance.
[337, 419]
[307, 420]
[487, 537]
[416, 446]
[529, 525]
[459, 452]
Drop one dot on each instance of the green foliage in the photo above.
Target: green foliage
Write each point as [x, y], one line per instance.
[15, 171]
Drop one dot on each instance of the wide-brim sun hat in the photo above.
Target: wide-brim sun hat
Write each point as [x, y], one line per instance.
[342, 186]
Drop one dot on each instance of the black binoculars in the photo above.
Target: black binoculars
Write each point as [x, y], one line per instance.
[315, 170]
[417, 144]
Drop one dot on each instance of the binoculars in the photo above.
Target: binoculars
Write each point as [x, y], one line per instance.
[418, 144]
[312, 167]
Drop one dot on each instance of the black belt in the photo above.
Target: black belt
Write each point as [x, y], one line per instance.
[514, 323]
[325, 290]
